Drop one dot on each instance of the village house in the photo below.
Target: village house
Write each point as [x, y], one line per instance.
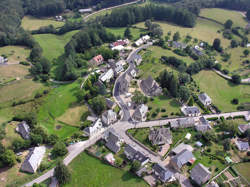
[200, 174]
[113, 141]
[182, 158]
[3, 60]
[119, 67]
[150, 87]
[182, 123]
[109, 103]
[137, 59]
[162, 173]
[140, 113]
[212, 184]
[110, 158]
[118, 48]
[134, 72]
[94, 128]
[205, 99]
[24, 130]
[124, 84]
[86, 10]
[191, 111]
[160, 136]
[106, 77]
[242, 145]
[142, 40]
[197, 50]
[203, 125]
[119, 42]
[132, 154]
[59, 18]
[33, 159]
[178, 149]
[97, 60]
[139, 42]
[109, 117]
[244, 128]
[179, 45]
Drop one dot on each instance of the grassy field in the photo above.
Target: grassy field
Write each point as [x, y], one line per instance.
[244, 169]
[32, 23]
[19, 90]
[87, 171]
[204, 30]
[222, 91]
[11, 134]
[235, 64]
[59, 101]
[120, 32]
[53, 45]
[15, 53]
[223, 15]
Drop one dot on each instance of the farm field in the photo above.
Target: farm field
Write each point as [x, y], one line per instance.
[15, 54]
[222, 91]
[31, 23]
[135, 32]
[55, 105]
[53, 45]
[204, 30]
[244, 169]
[222, 15]
[88, 171]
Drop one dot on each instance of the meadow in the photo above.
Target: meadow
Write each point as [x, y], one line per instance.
[243, 169]
[119, 31]
[88, 171]
[31, 23]
[204, 30]
[15, 54]
[222, 15]
[58, 102]
[222, 91]
[53, 45]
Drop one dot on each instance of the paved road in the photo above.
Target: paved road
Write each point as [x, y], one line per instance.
[247, 80]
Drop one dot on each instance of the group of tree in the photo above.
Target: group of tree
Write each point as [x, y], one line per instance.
[177, 89]
[154, 28]
[131, 15]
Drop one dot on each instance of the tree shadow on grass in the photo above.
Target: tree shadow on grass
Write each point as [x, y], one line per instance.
[174, 103]
[130, 176]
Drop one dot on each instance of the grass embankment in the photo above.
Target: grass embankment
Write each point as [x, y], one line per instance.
[204, 30]
[222, 91]
[15, 53]
[222, 15]
[244, 169]
[57, 108]
[53, 45]
[88, 171]
[31, 23]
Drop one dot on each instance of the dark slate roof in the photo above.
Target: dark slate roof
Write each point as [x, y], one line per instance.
[182, 158]
[178, 45]
[133, 154]
[192, 110]
[109, 103]
[183, 123]
[24, 130]
[160, 136]
[150, 86]
[164, 174]
[140, 157]
[242, 146]
[200, 173]
[130, 151]
[243, 128]
[203, 121]
[112, 141]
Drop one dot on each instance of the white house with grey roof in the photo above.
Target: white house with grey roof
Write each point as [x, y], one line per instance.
[242, 145]
[205, 99]
[203, 125]
[191, 111]
[140, 113]
[94, 128]
[24, 130]
[182, 123]
[132, 154]
[33, 160]
[107, 76]
[109, 117]
[113, 141]
[162, 173]
[160, 136]
[182, 147]
[182, 158]
[200, 174]
[150, 87]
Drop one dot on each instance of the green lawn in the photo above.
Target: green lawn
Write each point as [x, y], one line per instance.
[31, 23]
[55, 105]
[222, 91]
[88, 171]
[53, 45]
[223, 15]
[15, 53]
[244, 169]
[120, 32]
[204, 30]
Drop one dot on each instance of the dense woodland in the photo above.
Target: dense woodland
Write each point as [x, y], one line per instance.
[131, 15]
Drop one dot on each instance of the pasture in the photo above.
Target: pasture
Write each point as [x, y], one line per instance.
[135, 32]
[88, 171]
[15, 54]
[204, 30]
[31, 23]
[11, 134]
[222, 15]
[53, 45]
[222, 91]
[58, 101]
[244, 169]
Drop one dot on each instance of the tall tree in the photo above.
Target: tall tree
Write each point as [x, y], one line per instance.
[228, 24]
[176, 36]
[217, 45]
[62, 173]
[127, 33]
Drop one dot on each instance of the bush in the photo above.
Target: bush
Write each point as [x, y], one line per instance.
[59, 149]
[235, 101]
[24, 63]
[225, 71]
[85, 116]
[38, 95]
[163, 110]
